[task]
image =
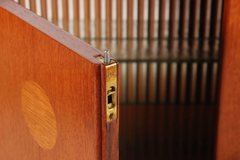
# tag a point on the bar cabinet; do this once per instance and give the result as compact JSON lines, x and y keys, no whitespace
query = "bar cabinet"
{"x":171,"y":90}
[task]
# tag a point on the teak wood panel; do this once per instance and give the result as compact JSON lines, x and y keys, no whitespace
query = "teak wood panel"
{"x":228,"y":137}
{"x":51,"y":92}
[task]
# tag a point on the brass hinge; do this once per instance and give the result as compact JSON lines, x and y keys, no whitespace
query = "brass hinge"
{"x":111,"y":86}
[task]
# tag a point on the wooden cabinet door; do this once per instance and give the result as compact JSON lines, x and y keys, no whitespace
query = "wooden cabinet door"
{"x":228,"y":135}
{"x":53,"y":92}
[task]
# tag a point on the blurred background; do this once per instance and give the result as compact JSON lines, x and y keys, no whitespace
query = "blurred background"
{"x":169,"y":60}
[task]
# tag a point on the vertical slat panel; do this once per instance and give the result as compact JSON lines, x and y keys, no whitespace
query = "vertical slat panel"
{"x":130,"y":84}
{"x":65,"y":15}
{"x":98,"y":22}
{"x":162,"y":89}
{"x":193,"y":23}
{"x":183,"y":21}
{"x":44,"y":8}
{"x":150,"y":73}
{"x":76,"y":17}
{"x":182,"y":96}
{"x":151,"y":89}
{"x":130,"y":19}
{"x":55,"y":11}
{"x":193,"y":82}
{"x":172,"y":80}
{"x":124,"y":82}
{"x":214,"y":81}
{"x":215,"y":23}
{"x":209,"y":82}
{"x":141,"y":81}
{"x":141,"y":96}
{"x":162,"y":70}
{"x":168,"y":83}
{"x":204,"y":23}
{"x":188,"y":82}
{"x":151,"y":18}
{"x":129,"y":36}
{"x":173,"y":25}
{"x":203,"y":83}
{"x":33,"y":5}
{"x":121,"y":86}
{"x":140,"y":20}
{"x":22,"y":2}
{"x":198,"y":83}
{"x":130,"y":91}
{"x":162,"y":19}
{"x":98,"y":18}
{"x":140,"y":93}
{"x":185,"y":137}
{"x":179,"y":79}
{"x":196,"y":110}
{"x":170,"y":109}
{"x":109,"y":22}
{"x":119,"y":23}
{"x":87,"y":20}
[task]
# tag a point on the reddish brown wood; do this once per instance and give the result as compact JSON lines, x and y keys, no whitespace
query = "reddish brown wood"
{"x":108,"y":22}
{"x":151,"y":19}
{"x":87,"y":20}
{"x":119,"y":22}
{"x":76,"y":18}
{"x":33,"y":5}
{"x":98,"y":23}
{"x":44,"y":8}
{"x":54,"y":12}
{"x":228,"y":138}
{"x":130,"y":19}
{"x":36,"y":51}
{"x":65,"y":15}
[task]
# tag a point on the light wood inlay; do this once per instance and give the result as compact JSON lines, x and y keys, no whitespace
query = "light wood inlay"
{"x":39,"y":115}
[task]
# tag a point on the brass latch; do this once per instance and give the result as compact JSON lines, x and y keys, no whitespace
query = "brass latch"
{"x":111,"y":86}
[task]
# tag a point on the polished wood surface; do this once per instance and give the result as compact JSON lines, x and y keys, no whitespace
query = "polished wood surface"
{"x":39,"y":115}
{"x":228,"y":138}
{"x":50,"y":95}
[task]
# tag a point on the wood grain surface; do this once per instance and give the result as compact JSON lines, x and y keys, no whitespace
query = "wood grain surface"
{"x":38,"y":58}
{"x":39,"y":114}
{"x":228,"y":139}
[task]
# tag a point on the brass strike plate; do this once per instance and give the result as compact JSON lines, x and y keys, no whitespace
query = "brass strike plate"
{"x":111,"y":89}
{"x":111,"y":92}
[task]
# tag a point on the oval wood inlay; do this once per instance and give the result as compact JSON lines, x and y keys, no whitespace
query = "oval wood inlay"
{"x":39,"y":115}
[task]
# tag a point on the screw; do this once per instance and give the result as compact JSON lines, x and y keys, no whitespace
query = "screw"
{"x":111,"y":116}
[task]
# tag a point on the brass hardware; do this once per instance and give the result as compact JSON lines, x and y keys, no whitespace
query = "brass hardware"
{"x":111,"y":91}
{"x":111,"y":86}
{"x":100,"y":58}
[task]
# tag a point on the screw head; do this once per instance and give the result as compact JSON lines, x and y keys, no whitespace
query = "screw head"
{"x":111,"y":116}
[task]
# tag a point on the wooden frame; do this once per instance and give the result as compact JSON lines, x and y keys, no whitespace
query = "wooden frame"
{"x":52,"y":93}
{"x":228,"y":141}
